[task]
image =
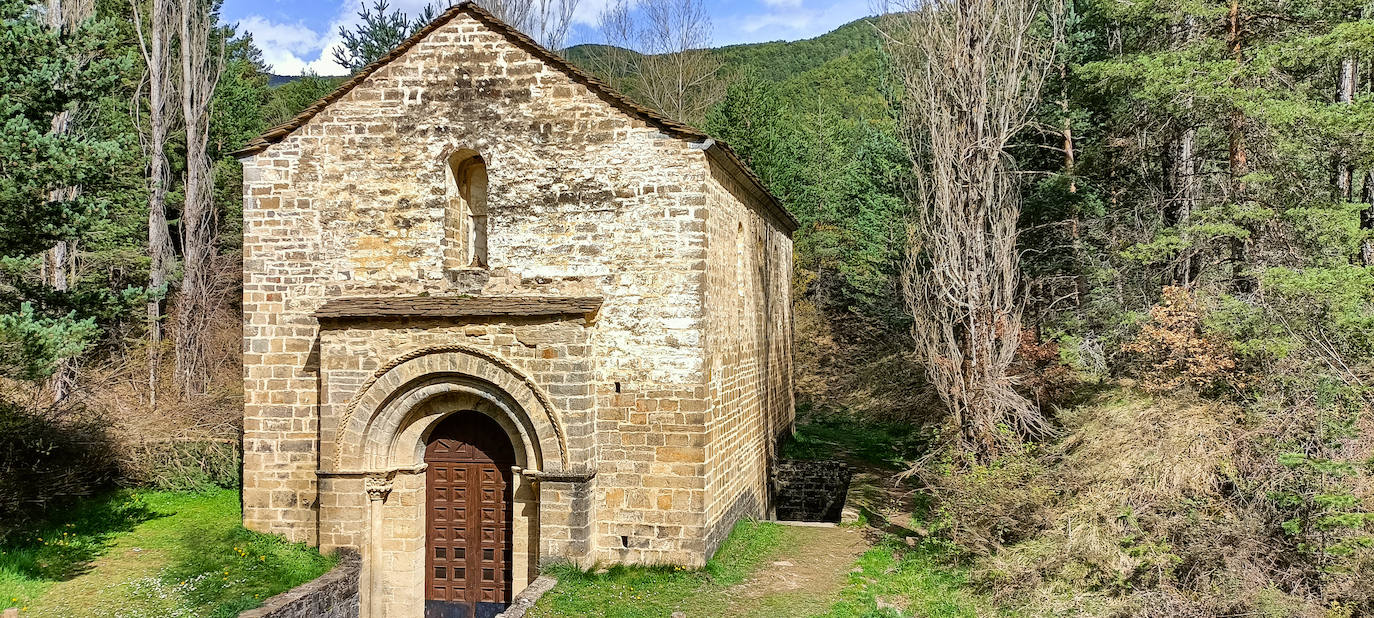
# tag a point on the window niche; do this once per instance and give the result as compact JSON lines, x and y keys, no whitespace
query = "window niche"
{"x":465,"y":218}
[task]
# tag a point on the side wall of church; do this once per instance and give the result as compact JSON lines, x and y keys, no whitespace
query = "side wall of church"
{"x":749,"y":353}
{"x":584,"y":200}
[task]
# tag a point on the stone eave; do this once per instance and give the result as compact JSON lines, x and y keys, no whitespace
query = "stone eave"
{"x":410,"y":307}
{"x":724,"y":155}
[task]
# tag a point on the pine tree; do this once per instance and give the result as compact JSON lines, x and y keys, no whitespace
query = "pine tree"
{"x":381,"y":30}
{"x":45,"y":71}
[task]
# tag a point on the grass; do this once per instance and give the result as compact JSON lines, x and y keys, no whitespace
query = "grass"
{"x":892,"y":579}
{"x":889,"y":579}
{"x":635,"y":592}
{"x":828,"y":434}
{"x":149,"y":553}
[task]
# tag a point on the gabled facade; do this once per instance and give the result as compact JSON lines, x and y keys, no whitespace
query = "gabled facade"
{"x":497,"y":315}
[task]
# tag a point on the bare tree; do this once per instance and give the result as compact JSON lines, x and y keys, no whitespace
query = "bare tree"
{"x":658,"y":54}
{"x":156,"y":46}
{"x":972,"y":72}
{"x":59,"y":262}
{"x":200,"y":71}
{"x":546,"y":21}
{"x":1347,"y":82}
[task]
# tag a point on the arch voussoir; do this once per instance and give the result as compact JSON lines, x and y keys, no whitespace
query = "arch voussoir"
{"x":379,"y":410}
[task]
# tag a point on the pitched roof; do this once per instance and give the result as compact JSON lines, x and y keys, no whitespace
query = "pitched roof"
{"x":719,"y":151}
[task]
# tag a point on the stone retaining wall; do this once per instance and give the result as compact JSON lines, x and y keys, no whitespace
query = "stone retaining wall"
{"x":332,"y":595}
{"x":810,"y":490}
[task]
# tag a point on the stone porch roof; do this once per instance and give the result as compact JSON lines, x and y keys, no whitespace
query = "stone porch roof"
{"x":719,"y":152}
{"x":363,"y":307}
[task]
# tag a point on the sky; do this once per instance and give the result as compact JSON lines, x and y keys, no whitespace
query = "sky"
{"x":297,"y":35}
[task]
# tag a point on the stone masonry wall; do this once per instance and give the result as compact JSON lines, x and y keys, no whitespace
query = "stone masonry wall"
{"x":749,"y":347}
{"x":811,"y":490}
{"x":583,"y":200}
{"x":332,"y":595}
{"x":554,"y":351}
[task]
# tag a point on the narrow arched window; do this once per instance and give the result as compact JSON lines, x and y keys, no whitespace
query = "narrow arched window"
{"x":739,"y":259}
{"x":465,"y":225}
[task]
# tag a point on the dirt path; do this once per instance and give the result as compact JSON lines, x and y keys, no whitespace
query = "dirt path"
{"x":804,"y":579}
{"x":807,"y":577}
{"x":884,"y":502}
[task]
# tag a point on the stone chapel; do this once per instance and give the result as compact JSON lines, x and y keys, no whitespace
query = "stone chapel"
{"x":498,"y":315}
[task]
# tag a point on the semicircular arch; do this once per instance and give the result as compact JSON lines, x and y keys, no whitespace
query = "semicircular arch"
{"x":376,"y":417}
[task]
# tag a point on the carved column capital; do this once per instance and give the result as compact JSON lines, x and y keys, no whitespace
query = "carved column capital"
{"x":377,"y":486}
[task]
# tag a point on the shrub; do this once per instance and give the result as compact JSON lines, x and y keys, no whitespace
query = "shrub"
{"x":1044,"y":377}
{"x":195,"y":464}
{"x":1175,"y":351}
{"x":981,"y":507}
{"x":48,"y":456}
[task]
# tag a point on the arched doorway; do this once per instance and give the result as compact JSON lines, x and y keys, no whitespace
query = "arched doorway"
{"x":468,"y":521}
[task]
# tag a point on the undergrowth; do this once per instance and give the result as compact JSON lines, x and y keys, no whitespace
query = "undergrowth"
{"x":827,"y":433}
{"x":149,"y":553}
{"x":634,"y":592}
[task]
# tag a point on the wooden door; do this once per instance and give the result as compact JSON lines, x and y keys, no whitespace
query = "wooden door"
{"x":468,"y":520}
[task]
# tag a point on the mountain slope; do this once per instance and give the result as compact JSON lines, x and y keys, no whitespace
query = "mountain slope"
{"x":774,"y":61}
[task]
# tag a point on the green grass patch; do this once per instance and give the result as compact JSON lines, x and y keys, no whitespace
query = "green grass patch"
{"x":31,"y":561}
{"x":635,"y":592}
{"x":830,"y":434}
{"x":897,"y":580}
{"x":151,"y":553}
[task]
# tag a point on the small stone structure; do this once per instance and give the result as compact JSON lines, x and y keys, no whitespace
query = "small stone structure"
{"x":810,"y":490}
{"x":332,"y":595}
{"x":470,"y":224}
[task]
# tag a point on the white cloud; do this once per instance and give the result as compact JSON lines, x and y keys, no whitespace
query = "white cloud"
{"x":791,"y":21}
{"x":588,"y":12}
{"x":287,"y":48}
{"x":283,"y":45}
{"x":291,"y":49}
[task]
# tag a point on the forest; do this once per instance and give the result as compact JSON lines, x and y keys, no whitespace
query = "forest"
{"x":1109,"y":265}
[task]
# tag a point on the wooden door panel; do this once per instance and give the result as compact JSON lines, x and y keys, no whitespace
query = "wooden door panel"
{"x":469,"y":507}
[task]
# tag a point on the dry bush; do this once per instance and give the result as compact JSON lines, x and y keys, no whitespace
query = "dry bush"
{"x":49,"y":455}
{"x":1041,"y":374}
{"x":1151,"y":510}
{"x":1138,"y":516}
{"x":182,"y":441}
{"x":1173,"y":350}
{"x":849,"y":365}
{"x":982,"y":507}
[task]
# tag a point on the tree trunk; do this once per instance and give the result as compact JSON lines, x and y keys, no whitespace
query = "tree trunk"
{"x":1345,"y":168}
{"x":1367,"y":220}
{"x":1181,"y":188}
{"x":156,"y":51}
{"x":59,"y":262}
{"x":1180,"y":158}
{"x":1241,"y":278}
{"x":200,"y":69}
{"x":1080,"y":280}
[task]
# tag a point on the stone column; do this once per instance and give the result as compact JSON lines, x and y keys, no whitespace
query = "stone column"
{"x":371,"y":599}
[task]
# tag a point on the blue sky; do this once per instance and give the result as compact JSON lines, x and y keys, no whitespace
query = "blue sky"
{"x":296,"y":35}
